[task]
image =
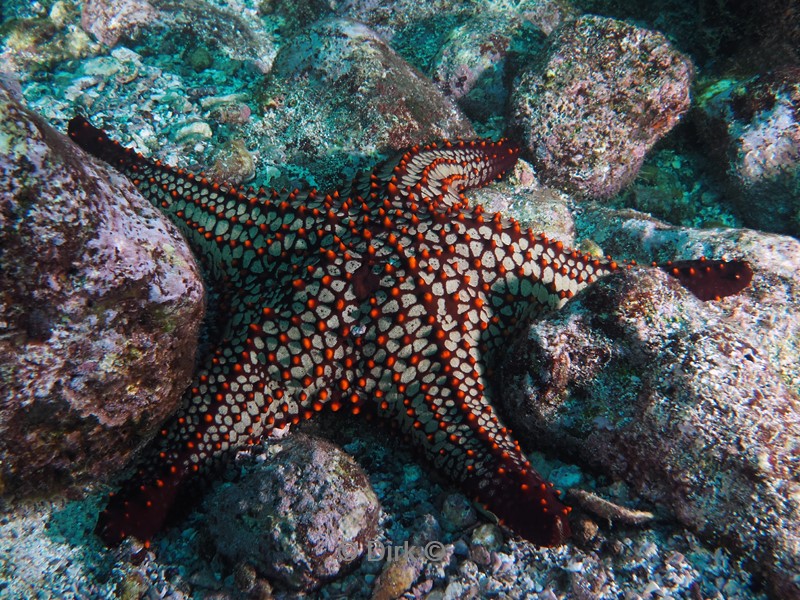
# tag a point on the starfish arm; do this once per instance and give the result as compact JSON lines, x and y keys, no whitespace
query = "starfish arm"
{"x":434,"y":388}
{"x":436,"y":175}
{"x":208,"y":423}
{"x":288,"y":355}
{"x":711,"y":279}
{"x":423,"y":371}
{"x":234,"y":231}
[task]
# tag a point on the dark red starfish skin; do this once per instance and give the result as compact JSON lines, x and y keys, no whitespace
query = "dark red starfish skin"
{"x":399,"y":295}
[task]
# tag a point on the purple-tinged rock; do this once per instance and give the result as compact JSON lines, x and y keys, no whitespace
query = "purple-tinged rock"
{"x":337,"y":95}
{"x":109,"y":20}
{"x":603,"y":94}
{"x":693,"y":403}
{"x":300,"y":516}
{"x":752,"y":130}
{"x":100,"y":304}
{"x":237,"y":34}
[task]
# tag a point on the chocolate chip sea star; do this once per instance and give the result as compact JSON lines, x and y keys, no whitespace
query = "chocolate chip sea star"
{"x":395,"y":298}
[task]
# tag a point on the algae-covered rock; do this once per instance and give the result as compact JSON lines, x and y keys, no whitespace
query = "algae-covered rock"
{"x":339,"y":86}
{"x":100,"y":304}
{"x":301,"y":517}
{"x":694,"y":404}
{"x":751,"y":128}
{"x":603,"y":93}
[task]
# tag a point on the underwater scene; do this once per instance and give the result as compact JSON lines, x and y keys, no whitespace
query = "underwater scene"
{"x":400,"y":299}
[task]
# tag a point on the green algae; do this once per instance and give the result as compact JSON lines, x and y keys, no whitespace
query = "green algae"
{"x":675,"y":185}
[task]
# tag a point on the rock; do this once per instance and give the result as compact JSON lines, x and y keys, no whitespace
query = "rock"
{"x":637,"y":236}
{"x":36,"y":44}
{"x":109,"y":20}
{"x":232,"y":113}
{"x":300,"y":517}
{"x":100,"y":304}
{"x":480,"y":556}
{"x":295,"y":15}
{"x":192,"y":132}
{"x":584,"y":532}
{"x":471,"y":66}
{"x":694,"y":404}
{"x":752,"y":129}
{"x":458,"y":512}
{"x":545,"y":15}
{"x":235,"y":34}
{"x":200,"y":58}
{"x":390,"y":20}
{"x":133,"y":587}
{"x":487,"y":536}
{"x":427,"y":529}
{"x":475,"y":62}
{"x":234,"y":164}
{"x":603,"y":94}
{"x":339,"y":85}
{"x":245,"y":577}
{"x":399,"y":575}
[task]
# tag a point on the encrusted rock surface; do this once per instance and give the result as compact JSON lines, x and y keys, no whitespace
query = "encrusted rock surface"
{"x":752,"y":129}
{"x":108,"y":20}
{"x":338,"y":85}
{"x":390,"y":18}
{"x":36,"y":44}
{"x":475,"y":62}
{"x":300,"y":514}
{"x":470,"y":64}
{"x":238,"y":34}
{"x":602,"y":95}
{"x":100,"y":303}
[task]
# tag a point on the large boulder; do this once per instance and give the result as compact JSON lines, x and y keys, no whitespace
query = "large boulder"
{"x":338,"y":95}
{"x":300,"y":515}
{"x":593,"y":106}
{"x":693,"y":404}
{"x":751,"y":128}
{"x":100,"y":304}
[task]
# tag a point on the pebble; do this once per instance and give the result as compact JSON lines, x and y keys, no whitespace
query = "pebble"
{"x":192,"y":131}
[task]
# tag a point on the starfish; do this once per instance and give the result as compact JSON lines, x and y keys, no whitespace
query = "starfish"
{"x":394,"y":298}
